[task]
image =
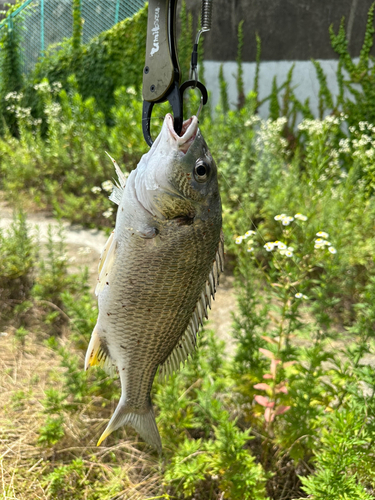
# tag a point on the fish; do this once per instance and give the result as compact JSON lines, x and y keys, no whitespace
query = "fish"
{"x":158,"y":271}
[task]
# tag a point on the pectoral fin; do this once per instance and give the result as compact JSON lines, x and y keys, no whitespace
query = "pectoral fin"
{"x":97,"y":354}
{"x":105,"y":263}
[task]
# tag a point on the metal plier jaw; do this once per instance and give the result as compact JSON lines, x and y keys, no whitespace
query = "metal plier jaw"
{"x":162,"y":74}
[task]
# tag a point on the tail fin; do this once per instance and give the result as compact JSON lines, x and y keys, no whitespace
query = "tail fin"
{"x":143,"y":423}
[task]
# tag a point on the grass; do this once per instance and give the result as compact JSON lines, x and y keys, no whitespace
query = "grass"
{"x":29,"y":470}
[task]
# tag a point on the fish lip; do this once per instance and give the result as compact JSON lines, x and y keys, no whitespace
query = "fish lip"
{"x":188,"y":132}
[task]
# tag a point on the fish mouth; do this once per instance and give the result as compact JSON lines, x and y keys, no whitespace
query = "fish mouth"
{"x":188,"y":132}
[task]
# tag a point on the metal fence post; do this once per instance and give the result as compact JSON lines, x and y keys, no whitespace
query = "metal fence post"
{"x":42,"y":28}
{"x":117,"y":11}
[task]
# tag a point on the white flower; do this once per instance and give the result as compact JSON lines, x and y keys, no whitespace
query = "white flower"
{"x":269,"y":246}
{"x":305,"y":297}
{"x":108,"y":213}
{"x":96,"y":189}
{"x":288,"y":253}
{"x":332,"y":250}
{"x":14,"y":95}
{"x":279,"y":217}
{"x":281,"y":245}
{"x":298,"y":295}
{"x":300,"y":217}
{"x":249,"y":233}
{"x":107,"y":186}
{"x":322,"y":234}
{"x":43,"y":87}
{"x":239,"y":240}
{"x":285,"y":222}
{"x":250,"y":249}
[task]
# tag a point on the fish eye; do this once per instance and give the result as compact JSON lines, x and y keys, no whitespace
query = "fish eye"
{"x":201,"y":171}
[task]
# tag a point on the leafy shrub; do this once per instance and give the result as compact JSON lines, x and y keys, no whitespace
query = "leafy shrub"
{"x":17,"y":260}
{"x":109,"y":61}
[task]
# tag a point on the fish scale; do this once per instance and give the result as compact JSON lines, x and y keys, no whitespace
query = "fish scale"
{"x":156,"y":269}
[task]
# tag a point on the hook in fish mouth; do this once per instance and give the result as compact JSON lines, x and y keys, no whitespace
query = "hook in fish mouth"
{"x":188,"y":132}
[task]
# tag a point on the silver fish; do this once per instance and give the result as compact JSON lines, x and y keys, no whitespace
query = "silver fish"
{"x":158,"y":271}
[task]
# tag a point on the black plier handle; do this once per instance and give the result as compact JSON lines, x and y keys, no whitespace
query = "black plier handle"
{"x":162,"y":74}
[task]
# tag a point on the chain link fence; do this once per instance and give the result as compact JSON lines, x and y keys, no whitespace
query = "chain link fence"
{"x":46,"y":23}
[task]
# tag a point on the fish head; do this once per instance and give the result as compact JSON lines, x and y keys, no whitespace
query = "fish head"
{"x":177,"y":178}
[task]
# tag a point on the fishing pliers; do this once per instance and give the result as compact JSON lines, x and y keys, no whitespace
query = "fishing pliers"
{"x":161,"y":73}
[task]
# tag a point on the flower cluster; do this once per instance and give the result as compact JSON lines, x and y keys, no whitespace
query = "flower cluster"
{"x":319,"y":127}
{"x":321,"y":242}
{"x":287,"y":219}
{"x":14,"y":96}
{"x":300,"y":296}
{"x":45,"y":88}
{"x":53,"y":109}
{"x":269,"y":138}
{"x":279,"y":245}
{"x":96,"y":189}
{"x":240,"y":239}
{"x":108,"y":213}
{"x":107,"y":186}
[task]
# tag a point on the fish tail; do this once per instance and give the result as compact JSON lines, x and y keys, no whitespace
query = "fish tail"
{"x":144,"y":423}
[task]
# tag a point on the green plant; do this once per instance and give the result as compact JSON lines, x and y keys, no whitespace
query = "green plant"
{"x":344,"y":464}
{"x":16,"y":265}
{"x":52,"y":431}
{"x":10,"y":67}
{"x":108,"y":61}
{"x":77,"y":25}
{"x":239,"y":80}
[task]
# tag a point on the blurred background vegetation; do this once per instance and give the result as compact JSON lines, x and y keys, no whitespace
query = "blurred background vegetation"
{"x":291,"y":413}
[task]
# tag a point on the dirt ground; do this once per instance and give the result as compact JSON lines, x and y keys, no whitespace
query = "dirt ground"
{"x":84,"y":247}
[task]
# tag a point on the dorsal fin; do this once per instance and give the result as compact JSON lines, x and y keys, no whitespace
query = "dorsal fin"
{"x":187,"y":342}
{"x":119,"y":186}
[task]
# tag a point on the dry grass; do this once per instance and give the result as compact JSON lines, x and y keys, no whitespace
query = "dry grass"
{"x":27,"y":468}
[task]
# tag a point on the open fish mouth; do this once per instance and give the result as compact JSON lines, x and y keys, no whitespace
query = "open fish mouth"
{"x":188,"y":132}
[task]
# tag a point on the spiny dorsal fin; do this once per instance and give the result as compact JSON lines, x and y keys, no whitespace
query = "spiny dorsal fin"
{"x":97,"y":356}
{"x":186,"y":344}
{"x":119,"y":186}
{"x":105,"y":263}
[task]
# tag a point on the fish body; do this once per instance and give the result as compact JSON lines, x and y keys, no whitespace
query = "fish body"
{"x":158,"y":271}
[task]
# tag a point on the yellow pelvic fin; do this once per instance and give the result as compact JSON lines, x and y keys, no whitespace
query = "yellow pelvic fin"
{"x":93,"y":349}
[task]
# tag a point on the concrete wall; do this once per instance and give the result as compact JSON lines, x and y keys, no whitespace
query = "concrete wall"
{"x":291,"y":31}
{"x":304,"y":80}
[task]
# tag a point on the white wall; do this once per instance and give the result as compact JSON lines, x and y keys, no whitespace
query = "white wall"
{"x":304,"y":79}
